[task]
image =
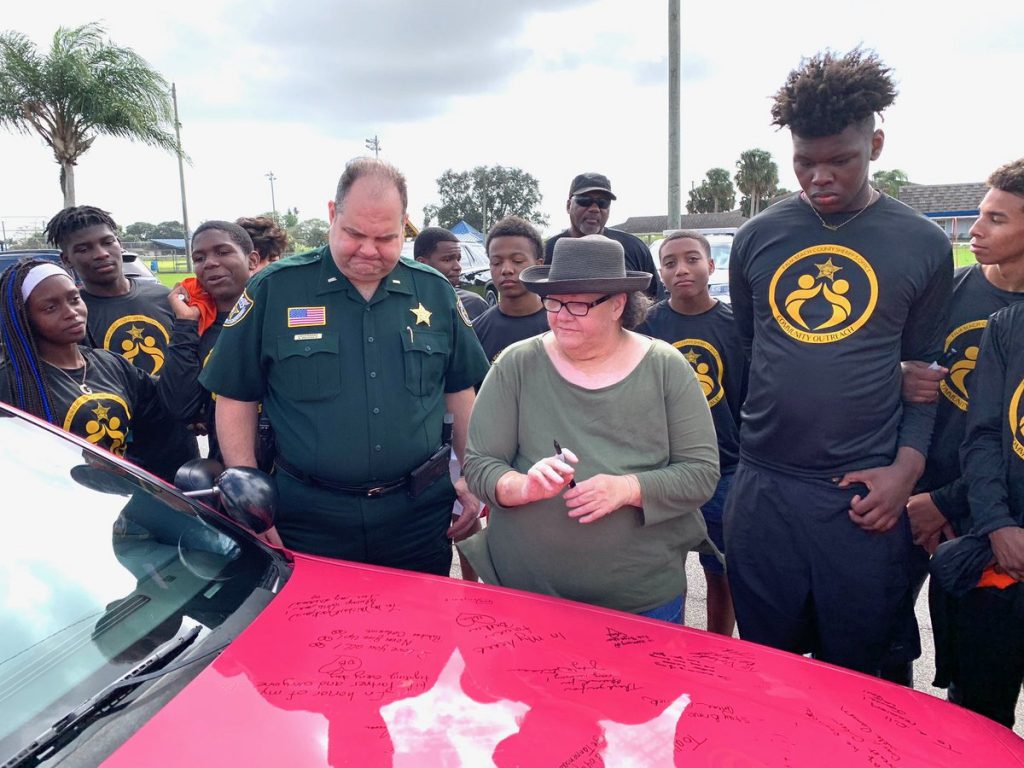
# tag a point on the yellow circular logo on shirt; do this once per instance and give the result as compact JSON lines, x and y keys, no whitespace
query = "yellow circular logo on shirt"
{"x":823,"y":294}
{"x":139,"y":339}
{"x":967,"y":341}
{"x":102,"y":418}
{"x":1017,"y":422}
{"x":707,"y":364}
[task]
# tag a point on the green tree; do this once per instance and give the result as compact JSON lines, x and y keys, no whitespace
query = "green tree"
{"x":311,"y":233}
{"x":484,"y":195}
{"x":890,"y":181}
{"x":34,"y":239}
{"x":83,"y":87}
{"x":140,"y":230}
{"x":757,"y":178}
{"x":714,"y":195}
{"x":167,"y":230}
{"x":289,"y":219}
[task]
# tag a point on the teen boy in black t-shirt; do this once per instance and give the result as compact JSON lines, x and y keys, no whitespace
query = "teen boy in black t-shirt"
{"x":703,"y":330}
{"x":831,"y":289}
{"x":989,"y":648}
{"x":512,"y":246}
{"x":131,"y":319}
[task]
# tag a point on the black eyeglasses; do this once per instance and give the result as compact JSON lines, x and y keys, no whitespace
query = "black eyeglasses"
{"x":576,"y":308}
{"x":585,"y":202}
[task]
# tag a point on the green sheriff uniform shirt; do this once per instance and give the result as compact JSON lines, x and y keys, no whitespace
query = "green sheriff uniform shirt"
{"x":353,"y":389}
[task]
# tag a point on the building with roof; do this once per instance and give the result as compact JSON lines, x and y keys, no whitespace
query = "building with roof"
{"x":652,"y":227}
{"x":954,"y":207}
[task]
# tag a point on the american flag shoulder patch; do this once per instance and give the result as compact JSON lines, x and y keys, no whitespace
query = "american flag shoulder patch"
{"x":301,"y":317}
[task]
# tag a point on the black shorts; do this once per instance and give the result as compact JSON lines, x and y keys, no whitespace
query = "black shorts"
{"x":804,"y":578}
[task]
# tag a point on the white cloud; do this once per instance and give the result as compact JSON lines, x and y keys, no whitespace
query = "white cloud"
{"x":296,"y":90}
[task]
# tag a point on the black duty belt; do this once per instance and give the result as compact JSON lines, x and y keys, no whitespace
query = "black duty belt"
{"x":416,"y":482}
{"x":369,"y":491}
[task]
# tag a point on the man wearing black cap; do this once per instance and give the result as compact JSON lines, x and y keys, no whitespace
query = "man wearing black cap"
{"x":589,"y":203}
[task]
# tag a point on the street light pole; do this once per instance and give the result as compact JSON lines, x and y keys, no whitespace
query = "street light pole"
{"x":674,"y":195}
{"x":374,"y":144}
{"x":181,"y":179}
{"x":273,"y":201}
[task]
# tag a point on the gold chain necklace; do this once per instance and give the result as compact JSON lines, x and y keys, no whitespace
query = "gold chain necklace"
{"x":84,"y":388}
{"x":834,"y":227}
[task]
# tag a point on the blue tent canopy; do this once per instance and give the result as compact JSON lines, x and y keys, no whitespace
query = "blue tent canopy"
{"x":465,"y":232}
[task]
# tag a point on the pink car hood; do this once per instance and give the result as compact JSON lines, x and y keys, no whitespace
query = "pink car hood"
{"x":355,"y":665}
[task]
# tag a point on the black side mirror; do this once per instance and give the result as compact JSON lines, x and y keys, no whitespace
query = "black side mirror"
{"x":248,"y":496}
{"x":197,"y":475}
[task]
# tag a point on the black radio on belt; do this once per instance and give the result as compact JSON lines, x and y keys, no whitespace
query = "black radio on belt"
{"x":434,"y":468}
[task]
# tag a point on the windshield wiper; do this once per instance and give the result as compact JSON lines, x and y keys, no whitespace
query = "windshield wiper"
{"x":68,"y":727}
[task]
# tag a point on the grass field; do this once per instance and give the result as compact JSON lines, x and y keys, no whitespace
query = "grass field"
{"x":962,"y":255}
{"x":170,"y":278}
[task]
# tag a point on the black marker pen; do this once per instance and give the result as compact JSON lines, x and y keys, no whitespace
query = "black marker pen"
{"x":561,"y":457}
{"x":949,"y":356}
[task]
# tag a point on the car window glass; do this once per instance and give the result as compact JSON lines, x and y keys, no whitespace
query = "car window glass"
{"x":100,"y":568}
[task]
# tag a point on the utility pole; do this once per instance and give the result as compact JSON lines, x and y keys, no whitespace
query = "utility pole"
{"x":374,"y":144}
{"x":674,"y":196}
{"x":181,"y":179}
{"x":273,"y":201}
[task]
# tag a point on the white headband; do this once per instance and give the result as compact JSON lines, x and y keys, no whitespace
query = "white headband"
{"x":37,"y":274}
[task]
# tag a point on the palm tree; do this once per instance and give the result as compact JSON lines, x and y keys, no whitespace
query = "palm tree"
{"x":720,"y":189}
{"x":84,"y":86}
{"x":890,"y":181}
{"x":757,"y":177}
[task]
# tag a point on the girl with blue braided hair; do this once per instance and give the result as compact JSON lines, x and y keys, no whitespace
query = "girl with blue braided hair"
{"x":47,"y":372}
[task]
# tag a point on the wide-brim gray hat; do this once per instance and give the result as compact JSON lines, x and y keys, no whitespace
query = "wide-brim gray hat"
{"x":589,"y":264}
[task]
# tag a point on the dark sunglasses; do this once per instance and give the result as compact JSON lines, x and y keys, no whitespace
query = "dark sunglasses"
{"x":585,"y":202}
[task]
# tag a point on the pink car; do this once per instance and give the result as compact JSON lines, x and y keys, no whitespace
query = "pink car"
{"x":140,"y":628}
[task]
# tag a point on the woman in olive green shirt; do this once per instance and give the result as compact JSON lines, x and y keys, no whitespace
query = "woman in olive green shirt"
{"x":612,"y":526}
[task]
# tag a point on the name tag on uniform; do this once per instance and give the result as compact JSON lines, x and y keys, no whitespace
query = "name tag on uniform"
{"x":308,"y":336}
{"x":299,"y":317}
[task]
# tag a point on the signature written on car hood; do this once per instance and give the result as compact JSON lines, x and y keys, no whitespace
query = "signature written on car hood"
{"x":356,"y":665}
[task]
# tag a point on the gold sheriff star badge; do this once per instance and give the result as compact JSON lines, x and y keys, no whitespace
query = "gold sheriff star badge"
{"x":828,"y":269}
{"x":422,"y":315}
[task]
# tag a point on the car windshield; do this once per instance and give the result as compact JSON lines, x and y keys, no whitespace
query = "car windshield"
{"x":474,"y":257}
{"x":720,"y":255}
{"x":100,"y":568}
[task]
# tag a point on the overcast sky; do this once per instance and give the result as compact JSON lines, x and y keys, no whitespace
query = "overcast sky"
{"x":555,"y":87}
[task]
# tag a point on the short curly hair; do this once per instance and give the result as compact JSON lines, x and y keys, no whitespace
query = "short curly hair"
{"x":1009,"y":178}
{"x":829,"y":92}
{"x":269,"y":239}
{"x":516,"y":226}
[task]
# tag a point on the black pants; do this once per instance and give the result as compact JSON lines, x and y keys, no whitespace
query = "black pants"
{"x":392,"y":530}
{"x":988,"y":667}
{"x":804,"y":578}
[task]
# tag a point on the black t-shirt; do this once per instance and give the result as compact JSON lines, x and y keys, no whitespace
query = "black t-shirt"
{"x":475,"y":304}
{"x":827,"y":317}
{"x":974,"y":300}
{"x":122,"y":398}
{"x":993,"y":451}
{"x":637,"y":255}
{"x":712,"y":346}
{"x":138,"y":326}
{"x":496,"y":330}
